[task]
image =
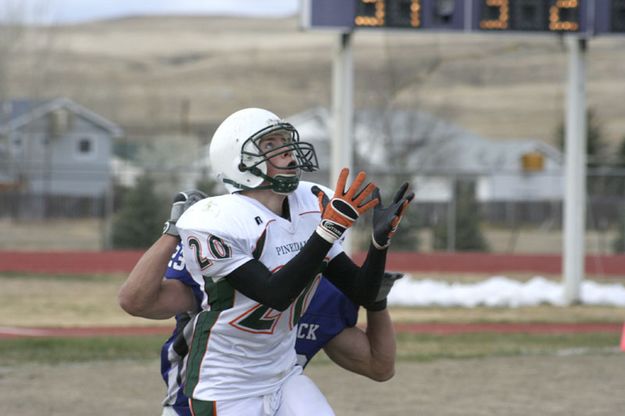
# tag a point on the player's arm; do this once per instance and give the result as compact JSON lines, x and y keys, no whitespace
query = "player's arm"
{"x":145,"y":293}
{"x":279,"y":289}
{"x":371,"y":352}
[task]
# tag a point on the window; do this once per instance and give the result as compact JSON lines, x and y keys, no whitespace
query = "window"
{"x":15,"y":144}
{"x":85,"y":147}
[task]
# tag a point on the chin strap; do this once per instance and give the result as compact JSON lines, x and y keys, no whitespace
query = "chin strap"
{"x":280,"y":184}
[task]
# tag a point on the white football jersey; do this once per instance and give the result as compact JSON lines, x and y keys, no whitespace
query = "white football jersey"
{"x":241,"y":348}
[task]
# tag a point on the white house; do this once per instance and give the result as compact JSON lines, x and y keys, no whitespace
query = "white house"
{"x":55,"y":147}
{"x":435,"y":153}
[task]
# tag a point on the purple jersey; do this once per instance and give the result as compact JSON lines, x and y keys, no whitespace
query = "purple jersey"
{"x":327,"y":315}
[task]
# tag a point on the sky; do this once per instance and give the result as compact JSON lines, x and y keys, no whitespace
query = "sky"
{"x":76,"y":11}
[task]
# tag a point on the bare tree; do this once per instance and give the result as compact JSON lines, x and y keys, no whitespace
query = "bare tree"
{"x":400,"y":141}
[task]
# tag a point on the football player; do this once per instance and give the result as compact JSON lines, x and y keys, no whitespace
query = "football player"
{"x":328,"y":323}
{"x":256,"y":256}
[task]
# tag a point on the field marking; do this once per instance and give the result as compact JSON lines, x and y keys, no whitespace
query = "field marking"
{"x":77,"y":332}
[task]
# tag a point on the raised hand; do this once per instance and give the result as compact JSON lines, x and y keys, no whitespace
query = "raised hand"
{"x":386,"y":219}
{"x":182,"y":201}
{"x":340,"y":212}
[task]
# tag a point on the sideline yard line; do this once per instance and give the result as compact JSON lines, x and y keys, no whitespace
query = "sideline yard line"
{"x":21,"y":332}
{"x":414,"y":328}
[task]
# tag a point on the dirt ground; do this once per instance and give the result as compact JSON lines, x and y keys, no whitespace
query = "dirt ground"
{"x":532,"y":385}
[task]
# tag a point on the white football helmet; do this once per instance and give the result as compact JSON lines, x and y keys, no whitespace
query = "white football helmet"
{"x":236,"y":158}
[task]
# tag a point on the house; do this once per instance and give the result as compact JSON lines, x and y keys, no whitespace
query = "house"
{"x":436,"y":153}
{"x":55,"y":148}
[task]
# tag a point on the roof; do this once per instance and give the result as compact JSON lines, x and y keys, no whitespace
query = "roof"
{"x":17,"y":113}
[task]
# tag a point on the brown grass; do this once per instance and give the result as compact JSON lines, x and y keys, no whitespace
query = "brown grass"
{"x":88,"y":301}
{"x":51,"y":235}
{"x":63,"y":301}
{"x":139,"y":72}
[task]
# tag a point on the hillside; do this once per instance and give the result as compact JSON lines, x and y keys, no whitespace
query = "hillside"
{"x":168,"y":74}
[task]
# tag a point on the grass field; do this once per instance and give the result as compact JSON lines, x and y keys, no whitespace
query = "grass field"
{"x":84,"y":301}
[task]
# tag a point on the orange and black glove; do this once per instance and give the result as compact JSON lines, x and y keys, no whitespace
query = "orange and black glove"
{"x":386,"y":219}
{"x":340,"y":212}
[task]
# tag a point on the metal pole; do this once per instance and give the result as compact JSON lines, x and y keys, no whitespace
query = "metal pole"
{"x":575,"y":172}
{"x":342,"y":113}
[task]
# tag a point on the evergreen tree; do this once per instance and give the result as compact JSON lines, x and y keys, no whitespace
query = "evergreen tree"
{"x":617,"y":179}
{"x":140,"y":220}
{"x":597,"y":153}
{"x":618,"y":245}
{"x":468,"y":236}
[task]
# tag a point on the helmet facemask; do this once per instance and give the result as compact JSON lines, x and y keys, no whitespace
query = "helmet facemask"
{"x":255,"y":160}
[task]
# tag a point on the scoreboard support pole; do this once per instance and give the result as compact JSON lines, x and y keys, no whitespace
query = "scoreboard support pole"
{"x":342,"y":113}
{"x":575,"y":172}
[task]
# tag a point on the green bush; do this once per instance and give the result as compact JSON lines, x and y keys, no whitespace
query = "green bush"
{"x":140,"y":220}
{"x":618,"y":245}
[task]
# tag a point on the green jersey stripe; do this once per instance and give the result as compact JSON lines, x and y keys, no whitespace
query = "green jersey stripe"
{"x":199,"y":343}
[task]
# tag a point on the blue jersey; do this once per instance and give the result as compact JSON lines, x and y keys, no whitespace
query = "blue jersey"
{"x":327,"y":315}
{"x":329,"y":312}
{"x":175,"y":349}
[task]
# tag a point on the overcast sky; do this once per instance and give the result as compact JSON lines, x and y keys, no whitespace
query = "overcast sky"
{"x":73,"y":11}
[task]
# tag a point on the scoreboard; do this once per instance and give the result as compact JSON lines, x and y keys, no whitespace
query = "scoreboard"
{"x":586,"y":17}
